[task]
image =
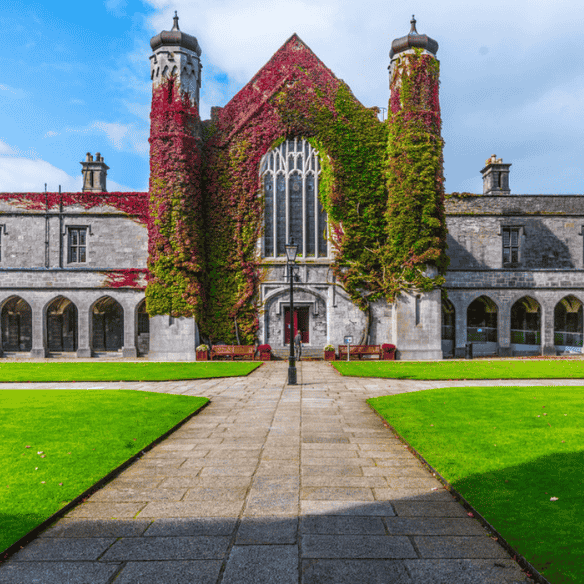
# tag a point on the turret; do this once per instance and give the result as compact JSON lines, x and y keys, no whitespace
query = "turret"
{"x":407,"y":44}
{"x":94,"y":174}
{"x":177,"y":53}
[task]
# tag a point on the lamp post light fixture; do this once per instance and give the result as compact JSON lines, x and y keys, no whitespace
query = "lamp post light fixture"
{"x":291,"y":250}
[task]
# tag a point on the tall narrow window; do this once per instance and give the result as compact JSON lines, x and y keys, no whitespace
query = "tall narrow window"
{"x":510,"y":245}
{"x":77,"y":245}
{"x":290,"y":175}
{"x":1,"y":227}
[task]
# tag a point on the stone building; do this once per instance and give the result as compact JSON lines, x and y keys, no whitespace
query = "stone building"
{"x":73,"y":266}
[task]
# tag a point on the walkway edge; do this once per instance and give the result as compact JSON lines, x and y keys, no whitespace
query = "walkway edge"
{"x":525,"y":565}
{"x":32,"y":534}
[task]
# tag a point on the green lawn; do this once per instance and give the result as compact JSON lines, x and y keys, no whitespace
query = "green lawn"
{"x":480,"y":369}
{"x":94,"y":371}
{"x":56,"y":444}
{"x":508,"y":451}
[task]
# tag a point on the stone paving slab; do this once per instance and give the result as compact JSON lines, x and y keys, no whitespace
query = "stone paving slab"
{"x":153,"y":572}
{"x":271,"y":483}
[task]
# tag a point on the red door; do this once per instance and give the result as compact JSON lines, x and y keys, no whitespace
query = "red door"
{"x":300,"y":321}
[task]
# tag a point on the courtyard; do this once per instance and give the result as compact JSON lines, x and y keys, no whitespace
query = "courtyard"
{"x":272,"y":482}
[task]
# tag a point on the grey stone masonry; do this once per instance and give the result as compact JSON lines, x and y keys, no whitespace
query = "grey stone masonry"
{"x":271,"y":483}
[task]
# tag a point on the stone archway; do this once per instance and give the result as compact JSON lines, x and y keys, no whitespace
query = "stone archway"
{"x":568,"y":329}
{"x":142,"y":329}
{"x":16,"y":318}
{"x":448,"y":327}
{"x":61,"y":325}
{"x":481,"y":325}
{"x":108,"y":325}
{"x":526,"y":325}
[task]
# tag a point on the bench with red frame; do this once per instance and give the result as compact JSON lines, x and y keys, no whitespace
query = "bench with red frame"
{"x":243,"y":351}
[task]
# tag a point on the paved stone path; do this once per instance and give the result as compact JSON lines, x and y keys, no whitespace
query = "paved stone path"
{"x":271,"y":483}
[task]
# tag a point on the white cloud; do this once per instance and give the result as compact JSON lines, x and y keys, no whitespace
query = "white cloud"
{"x":5,"y":150}
{"x":126,"y":137}
{"x":50,"y":134}
{"x":27,"y":172}
{"x":12,"y":91}
{"x":26,"y":175}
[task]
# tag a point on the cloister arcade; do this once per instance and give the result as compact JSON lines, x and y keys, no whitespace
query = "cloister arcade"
{"x":73,"y":323}
{"x":507,"y":323}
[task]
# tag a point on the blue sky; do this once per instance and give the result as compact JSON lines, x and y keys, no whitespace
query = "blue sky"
{"x":75,"y":78}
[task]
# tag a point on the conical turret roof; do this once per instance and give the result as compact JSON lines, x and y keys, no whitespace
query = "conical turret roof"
{"x":413,"y":40}
{"x":175,"y":37}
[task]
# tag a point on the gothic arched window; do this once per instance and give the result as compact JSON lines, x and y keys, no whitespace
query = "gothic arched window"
{"x":289,"y":176}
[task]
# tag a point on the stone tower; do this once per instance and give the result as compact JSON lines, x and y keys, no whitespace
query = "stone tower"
{"x":416,"y":227}
{"x":176,"y":257}
{"x":178,"y":54}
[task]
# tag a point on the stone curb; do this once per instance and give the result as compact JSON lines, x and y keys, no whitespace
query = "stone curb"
{"x":33,"y":533}
{"x":525,"y":565}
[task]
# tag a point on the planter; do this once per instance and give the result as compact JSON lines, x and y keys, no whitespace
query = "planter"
{"x":265,"y":356}
{"x":388,"y":352}
{"x":329,"y":355}
{"x":202,"y":355}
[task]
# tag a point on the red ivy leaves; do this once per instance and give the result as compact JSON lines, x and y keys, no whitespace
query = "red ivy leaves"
{"x":176,"y":256}
{"x":134,"y":204}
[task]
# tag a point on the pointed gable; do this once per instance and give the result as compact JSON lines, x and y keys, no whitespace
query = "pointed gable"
{"x":293,"y":61}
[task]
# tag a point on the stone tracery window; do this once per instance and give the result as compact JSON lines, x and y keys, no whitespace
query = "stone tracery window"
{"x":290,"y":175}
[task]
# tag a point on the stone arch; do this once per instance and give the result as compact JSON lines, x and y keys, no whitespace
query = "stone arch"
{"x":142,"y":328}
{"x":448,"y":327}
{"x":62,"y":325}
{"x":526,"y":324}
{"x":568,"y":323}
{"x":311,"y":313}
{"x":16,"y":324}
{"x":108,"y":324}
{"x":481,"y":320}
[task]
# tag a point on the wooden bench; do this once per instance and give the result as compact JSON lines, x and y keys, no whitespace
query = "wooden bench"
{"x":359,"y":351}
{"x":244,"y":351}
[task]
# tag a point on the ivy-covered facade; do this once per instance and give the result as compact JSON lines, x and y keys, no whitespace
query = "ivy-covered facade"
{"x":294,"y":156}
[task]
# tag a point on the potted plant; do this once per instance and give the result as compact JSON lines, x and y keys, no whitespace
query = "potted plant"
{"x":388,"y":352}
{"x":265,"y":352}
{"x":329,"y":353}
{"x":202,"y":353}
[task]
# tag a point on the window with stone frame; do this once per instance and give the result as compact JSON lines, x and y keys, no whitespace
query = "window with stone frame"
{"x":1,"y":228}
{"x":511,"y":246}
{"x":76,"y":245}
{"x":290,"y":174}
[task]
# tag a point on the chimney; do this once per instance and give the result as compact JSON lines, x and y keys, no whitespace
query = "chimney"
{"x":94,"y":174}
{"x":495,"y":177}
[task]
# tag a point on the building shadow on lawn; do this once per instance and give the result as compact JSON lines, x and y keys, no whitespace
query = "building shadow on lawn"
{"x":519,"y":502}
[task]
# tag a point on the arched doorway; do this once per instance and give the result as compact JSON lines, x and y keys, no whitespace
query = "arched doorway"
{"x":568,"y":323}
{"x":62,"y":325}
{"x":143,"y":332}
{"x":108,"y":325}
{"x":448,"y":328}
{"x":16,"y":325}
{"x":481,"y":325}
{"x":526,"y":325}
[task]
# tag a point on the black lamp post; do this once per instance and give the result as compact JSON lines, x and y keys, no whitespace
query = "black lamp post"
{"x":291,"y":250}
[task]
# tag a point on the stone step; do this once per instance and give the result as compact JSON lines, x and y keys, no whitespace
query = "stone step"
{"x":308,"y":353}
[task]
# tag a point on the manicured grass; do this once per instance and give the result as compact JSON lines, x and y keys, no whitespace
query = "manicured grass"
{"x":152,"y":371}
{"x":508,"y":451}
{"x":480,"y":369}
{"x":74,"y":438}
